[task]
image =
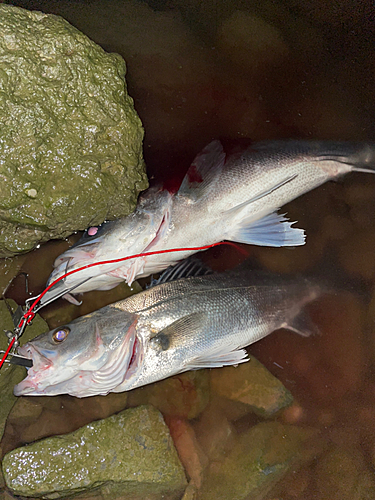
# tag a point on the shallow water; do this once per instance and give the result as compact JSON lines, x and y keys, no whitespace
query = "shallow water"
{"x":196,"y":72}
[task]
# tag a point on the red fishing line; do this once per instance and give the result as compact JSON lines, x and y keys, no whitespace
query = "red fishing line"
{"x":29,"y":315}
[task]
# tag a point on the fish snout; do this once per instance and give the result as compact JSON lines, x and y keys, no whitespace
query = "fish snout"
{"x":30,"y":385}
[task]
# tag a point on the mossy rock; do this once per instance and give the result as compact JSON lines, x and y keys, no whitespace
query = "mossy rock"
{"x":129,"y":453}
{"x":70,"y":139}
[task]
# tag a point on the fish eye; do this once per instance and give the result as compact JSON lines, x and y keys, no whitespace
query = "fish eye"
{"x":60,"y":334}
{"x":94,"y":231}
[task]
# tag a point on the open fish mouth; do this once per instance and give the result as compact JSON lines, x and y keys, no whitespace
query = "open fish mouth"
{"x":40,"y":365}
{"x":48,"y":378}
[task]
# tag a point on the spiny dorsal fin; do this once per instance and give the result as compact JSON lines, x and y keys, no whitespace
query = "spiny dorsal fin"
{"x":190,"y":267}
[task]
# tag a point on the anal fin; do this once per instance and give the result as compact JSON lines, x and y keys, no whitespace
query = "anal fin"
{"x":273,"y":230}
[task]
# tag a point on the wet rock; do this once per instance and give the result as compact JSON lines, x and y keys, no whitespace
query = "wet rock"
{"x":251,"y":383}
{"x":70,"y":415}
{"x":214,"y":432}
{"x":183,"y":396}
{"x":5,"y":495}
{"x":25,"y":411}
{"x":263,"y":455}
{"x":342,"y":475}
{"x":130,"y":453}
{"x":191,"y":492}
{"x":8,"y":270}
{"x":296,"y":484}
{"x":191,"y":454}
{"x":10,"y":375}
{"x":71,"y":144}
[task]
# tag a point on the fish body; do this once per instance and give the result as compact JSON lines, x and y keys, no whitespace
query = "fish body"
{"x":224,"y":196}
{"x":198,"y":322}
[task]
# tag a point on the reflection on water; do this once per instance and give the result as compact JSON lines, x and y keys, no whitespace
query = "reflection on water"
{"x":202,"y":70}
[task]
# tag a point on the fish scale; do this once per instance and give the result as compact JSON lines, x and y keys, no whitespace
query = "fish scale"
{"x":187,"y":324}
{"x":224,"y":196}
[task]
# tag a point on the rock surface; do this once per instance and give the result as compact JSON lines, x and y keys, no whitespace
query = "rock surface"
{"x":342,"y":474}
{"x":10,"y":375}
{"x":129,"y":453}
{"x":185,"y":395}
{"x":251,"y":383}
{"x":71,"y":141}
{"x":261,"y":457}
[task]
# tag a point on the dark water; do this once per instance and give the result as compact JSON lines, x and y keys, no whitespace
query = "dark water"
{"x":241,"y":69}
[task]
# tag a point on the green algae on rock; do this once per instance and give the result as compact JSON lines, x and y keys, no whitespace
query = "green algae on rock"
{"x":71,"y":141}
{"x":129,"y":453}
{"x":251,"y":383}
{"x":10,"y":375}
{"x":261,"y":458}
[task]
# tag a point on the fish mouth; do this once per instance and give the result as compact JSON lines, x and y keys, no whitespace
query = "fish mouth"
{"x":47,"y":378}
{"x":41,"y":364}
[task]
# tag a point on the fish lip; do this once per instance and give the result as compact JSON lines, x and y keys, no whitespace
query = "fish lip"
{"x":40,"y":364}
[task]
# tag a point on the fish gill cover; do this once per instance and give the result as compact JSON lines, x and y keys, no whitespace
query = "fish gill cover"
{"x":70,"y":139}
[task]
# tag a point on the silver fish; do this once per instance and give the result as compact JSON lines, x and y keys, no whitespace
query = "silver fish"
{"x":224,"y":196}
{"x":188,"y":324}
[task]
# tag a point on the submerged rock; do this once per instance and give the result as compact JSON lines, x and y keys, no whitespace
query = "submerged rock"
{"x":129,"y":453}
{"x":261,"y":458}
{"x":185,"y":395}
{"x":71,"y":141}
{"x":251,"y":383}
{"x":342,"y":474}
{"x":191,"y":454}
{"x":10,"y":375}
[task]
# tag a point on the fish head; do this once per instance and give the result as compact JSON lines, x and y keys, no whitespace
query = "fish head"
{"x":86,"y":357}
{"x":114,"y":240}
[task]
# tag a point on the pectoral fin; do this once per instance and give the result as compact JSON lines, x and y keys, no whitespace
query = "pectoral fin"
{"x":183,"y":331}
{"x":180,"y":332}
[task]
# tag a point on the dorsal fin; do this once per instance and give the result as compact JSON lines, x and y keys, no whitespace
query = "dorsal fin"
{"x":204,"y":172}
{"x":190,"y":267}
